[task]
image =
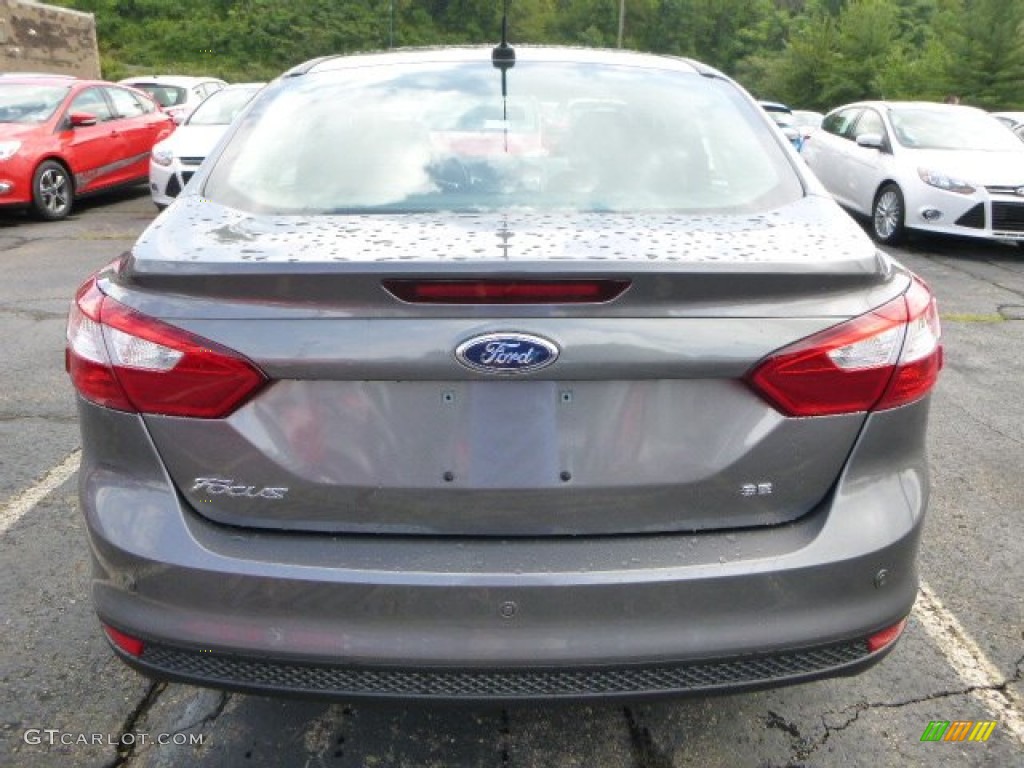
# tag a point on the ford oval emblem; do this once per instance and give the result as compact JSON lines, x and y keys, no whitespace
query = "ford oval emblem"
{"x":506,"y":353}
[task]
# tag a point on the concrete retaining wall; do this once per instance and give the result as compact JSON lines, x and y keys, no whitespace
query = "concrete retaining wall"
{"x":44,"y":38}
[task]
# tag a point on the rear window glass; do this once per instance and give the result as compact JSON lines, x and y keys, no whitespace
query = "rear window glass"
{"x":441,"y":137}
{"x":164,"y":95}
{"x":222,"y":107}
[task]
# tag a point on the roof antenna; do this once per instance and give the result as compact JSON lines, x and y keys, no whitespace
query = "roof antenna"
{"x":503,"y":56}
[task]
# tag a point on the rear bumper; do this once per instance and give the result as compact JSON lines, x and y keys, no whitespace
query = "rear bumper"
{"x":295,"y":678}
{"x":513,"y":618}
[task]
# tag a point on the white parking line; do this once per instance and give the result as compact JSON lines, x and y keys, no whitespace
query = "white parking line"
{"x":969,"y":662}
{"x":17,"y":507}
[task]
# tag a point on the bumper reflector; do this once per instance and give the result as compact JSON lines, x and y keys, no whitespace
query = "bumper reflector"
{"x":886,"y":637}
{"x":130,"y":645}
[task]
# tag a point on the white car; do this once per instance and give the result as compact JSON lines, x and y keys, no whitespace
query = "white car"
{"x":1013,"y":120}
{"x":921,"y":166}
{"x":178,"y":95}
{"x":807,"y":121}
{"x":173,"y":161}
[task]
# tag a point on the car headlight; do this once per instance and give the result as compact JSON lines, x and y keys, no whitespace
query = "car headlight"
{"x":942,"y":181}
{"x":162,"y":155}
{"x":8,"y":148}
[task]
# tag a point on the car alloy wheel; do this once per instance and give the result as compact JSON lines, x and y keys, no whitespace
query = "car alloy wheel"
{"x":887,"y":216}
{"x":51,"y":191}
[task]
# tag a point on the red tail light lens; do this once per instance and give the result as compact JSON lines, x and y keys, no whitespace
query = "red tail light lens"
{"x":506,"y":291}
{"x":883,"y":359}
{"x":124,"y":360}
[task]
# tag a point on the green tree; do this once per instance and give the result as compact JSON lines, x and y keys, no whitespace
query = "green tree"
{"x":800,"y":73}
{"x":986,"y":62}
{"x":717,"y":32}
{"x":813,"y":53}
{"x":921,"y":68}
{"x":866,"y":42}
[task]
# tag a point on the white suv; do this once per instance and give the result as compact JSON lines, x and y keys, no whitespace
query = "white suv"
{"x":177,"y":95}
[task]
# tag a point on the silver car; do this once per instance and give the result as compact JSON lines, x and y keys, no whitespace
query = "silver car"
{"x":612,"y":400}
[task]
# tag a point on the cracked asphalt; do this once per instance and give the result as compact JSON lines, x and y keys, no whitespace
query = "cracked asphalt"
{"x":57,"y":674}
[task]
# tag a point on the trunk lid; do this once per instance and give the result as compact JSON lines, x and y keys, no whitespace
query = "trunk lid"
{"x":371,"y":425}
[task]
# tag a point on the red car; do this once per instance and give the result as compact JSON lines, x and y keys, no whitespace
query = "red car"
{"x":62,"y":138}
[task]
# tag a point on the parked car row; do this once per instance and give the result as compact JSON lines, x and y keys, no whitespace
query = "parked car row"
{"x":63,"y":138}
{"x":908,"y":166}
{"x":796,"y":125}
{"x":784,"y":118}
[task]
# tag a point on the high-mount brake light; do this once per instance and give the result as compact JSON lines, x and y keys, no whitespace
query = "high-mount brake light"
{"x":122,"y":359}
{"x":506,"y":291}
{"x":883,"y":359}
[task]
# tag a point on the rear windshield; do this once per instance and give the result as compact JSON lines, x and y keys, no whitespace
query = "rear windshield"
{"x":165,"y":95}
{"x":442,"y":137}
{"x":27,"y":103}
{"x":222,"y":107}
{"x":783,"y":119}
{"x":930,"y":128}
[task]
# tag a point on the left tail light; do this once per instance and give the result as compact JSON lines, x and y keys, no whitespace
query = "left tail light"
{"x":122,"y":359}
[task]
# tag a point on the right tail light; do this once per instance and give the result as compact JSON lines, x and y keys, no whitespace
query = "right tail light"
{"x":883,"y":359}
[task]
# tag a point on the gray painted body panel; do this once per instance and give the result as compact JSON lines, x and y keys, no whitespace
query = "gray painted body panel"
{"x":594,"y":348}
{"x":198,"y":235}
{"x":506,"y":458}
{"x":165,"y":574}
{"x":337,"y":291}
{"x":372,"y":426}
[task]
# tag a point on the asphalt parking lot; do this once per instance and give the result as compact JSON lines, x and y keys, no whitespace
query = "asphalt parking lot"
{"x":65,"y":699}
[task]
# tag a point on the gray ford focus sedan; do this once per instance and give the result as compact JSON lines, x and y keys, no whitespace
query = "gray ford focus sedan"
{"x":508,"y":374}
